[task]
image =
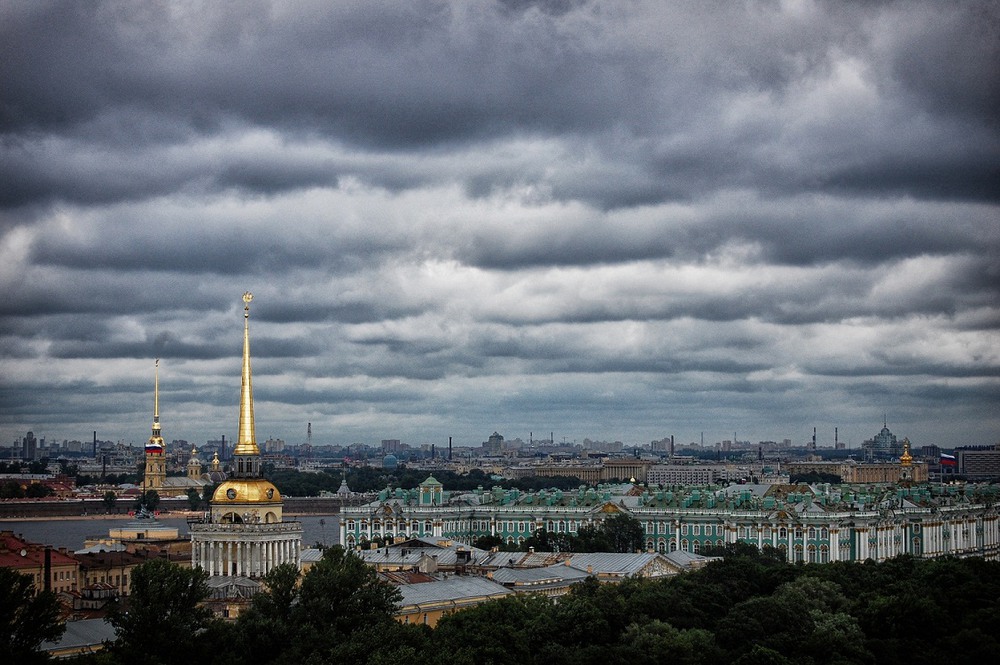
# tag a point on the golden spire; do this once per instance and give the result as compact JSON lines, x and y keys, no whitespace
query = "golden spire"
{"x":246,"y":443}
{"x":156,"y":439}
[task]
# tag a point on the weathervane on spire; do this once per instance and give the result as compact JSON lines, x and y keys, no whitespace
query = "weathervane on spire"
{"x":247,"y":297}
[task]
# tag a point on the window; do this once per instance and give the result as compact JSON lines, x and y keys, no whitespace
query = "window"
{"x":696,"y":529}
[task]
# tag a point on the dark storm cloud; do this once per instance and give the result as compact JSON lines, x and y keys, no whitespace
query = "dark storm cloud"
{"x":436,"y":73}
{"x":609,"y":219}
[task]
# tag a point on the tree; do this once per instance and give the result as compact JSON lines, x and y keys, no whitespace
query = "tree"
{"x":110,"y":499}
{"x":11,"y":489}
{"x":624,"y":533}
{"x":150,"y":499}
{"x":37,"y":491}
{"x":208,"y":492}
{"x":26,"y":619}
{"x":163,"y":620}
{"x":193,"y":499}
{"x":338,"y":597}
{"x":264,"y":629}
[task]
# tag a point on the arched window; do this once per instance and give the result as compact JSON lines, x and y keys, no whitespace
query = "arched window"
{"x":812,"y":554}
{"x":783,"y":533}
{"x":684,"y":545}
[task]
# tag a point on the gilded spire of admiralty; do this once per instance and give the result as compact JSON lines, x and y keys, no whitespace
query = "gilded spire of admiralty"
{"x":246,"y":442}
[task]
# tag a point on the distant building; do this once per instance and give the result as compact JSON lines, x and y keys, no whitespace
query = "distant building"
{"x":494,"y":445}
{"x":882,"y":446}
{"x":852,"y":471}
{"x":979,"y":462}
{"x":29,"y":447}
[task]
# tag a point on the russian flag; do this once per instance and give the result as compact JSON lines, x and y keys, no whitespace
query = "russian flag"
{"x":948,"y":460}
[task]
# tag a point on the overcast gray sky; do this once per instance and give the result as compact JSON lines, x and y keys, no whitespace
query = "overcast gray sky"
{"x":614,"y":220}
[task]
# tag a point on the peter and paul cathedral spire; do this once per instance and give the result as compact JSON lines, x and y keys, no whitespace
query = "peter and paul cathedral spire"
{"x":155,"y":471}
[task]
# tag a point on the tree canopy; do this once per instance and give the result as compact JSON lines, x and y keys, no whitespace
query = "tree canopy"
{"x":26,"y":619}
{"x":750,"y":607}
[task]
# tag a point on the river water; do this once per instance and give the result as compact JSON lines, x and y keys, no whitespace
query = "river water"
{"x":70,"y":533}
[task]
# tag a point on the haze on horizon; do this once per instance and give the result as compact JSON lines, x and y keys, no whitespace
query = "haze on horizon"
{"x":618,"y":221}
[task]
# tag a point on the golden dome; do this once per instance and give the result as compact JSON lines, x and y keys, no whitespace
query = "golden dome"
{"x":906,"y":458}
{"x":240,"y":491}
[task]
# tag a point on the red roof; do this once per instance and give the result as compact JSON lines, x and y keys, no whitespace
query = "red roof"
{"x":11,"y":548}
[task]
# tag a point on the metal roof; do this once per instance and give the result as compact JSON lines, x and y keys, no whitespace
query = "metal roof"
{"x":82,"y":634}
{"x":451,"y":589}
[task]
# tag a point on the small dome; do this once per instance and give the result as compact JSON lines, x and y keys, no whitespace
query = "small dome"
{"x":390,"y":462}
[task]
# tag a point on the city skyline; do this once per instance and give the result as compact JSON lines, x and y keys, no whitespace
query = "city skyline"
{"x":621,"y":222}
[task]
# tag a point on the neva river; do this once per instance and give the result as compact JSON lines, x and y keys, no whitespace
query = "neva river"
{"x":71,"y":533}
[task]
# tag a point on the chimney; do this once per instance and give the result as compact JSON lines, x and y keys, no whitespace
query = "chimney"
{"x":449,"y":448}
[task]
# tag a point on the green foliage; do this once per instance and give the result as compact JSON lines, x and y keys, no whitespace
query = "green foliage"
{"x":26,"y":619}
{"x":163,"y":621}
{"x":11,"y":489}
{"x":749,"y":608}
{"x":265,"y":627}
{"x":292,"y":482}
{"x":37,"y":491}
{"x":150,"y":499}
{"x":620,"y":533}
{"x":110,"y":499}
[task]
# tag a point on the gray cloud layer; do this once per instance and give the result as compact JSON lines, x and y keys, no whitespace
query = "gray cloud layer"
{"x":621,"y":220}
